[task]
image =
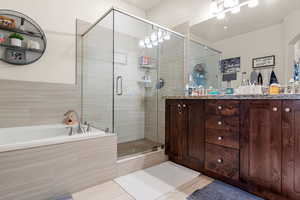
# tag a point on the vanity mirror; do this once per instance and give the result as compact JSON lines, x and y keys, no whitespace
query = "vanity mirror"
{"x":268,"y":28}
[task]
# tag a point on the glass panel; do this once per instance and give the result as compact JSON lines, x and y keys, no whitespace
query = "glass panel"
{"x":204,"y":65}
{"x":135,"y":76}
{"x":97,"y":71}
{"x":171,"y":70}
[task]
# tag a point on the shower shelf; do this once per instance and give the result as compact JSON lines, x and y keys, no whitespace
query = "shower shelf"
{"x":147,"y":66}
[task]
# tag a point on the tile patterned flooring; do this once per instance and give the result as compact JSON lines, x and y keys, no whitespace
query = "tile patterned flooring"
{"x":112,"y":191}
{"x":136,"y":147}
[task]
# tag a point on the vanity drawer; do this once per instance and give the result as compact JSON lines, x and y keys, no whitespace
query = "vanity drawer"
{"x":222,"y":107}
{"x":222,"y":161}
{"x":223,"y":138}
{"x":230,"y":124}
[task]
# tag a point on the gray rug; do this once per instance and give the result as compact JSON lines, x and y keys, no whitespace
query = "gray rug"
{"x":218,"y":190}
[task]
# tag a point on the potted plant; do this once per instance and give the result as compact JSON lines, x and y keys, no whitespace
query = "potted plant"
{"x":16,"y":39}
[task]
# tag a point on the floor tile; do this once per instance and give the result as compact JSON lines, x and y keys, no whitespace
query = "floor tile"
{"x":153,"y":182}
{"x":106,"y":191}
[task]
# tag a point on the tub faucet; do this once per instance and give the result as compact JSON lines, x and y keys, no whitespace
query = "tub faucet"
{"x":80,"y":129}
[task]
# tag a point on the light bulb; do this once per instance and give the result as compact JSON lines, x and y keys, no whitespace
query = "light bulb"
{"x":221,"y":16}
{"x":149,"y":45}
{"x":214,"y":7}
{"x":147,"y":40}
{"x":155,"y":43}
{"x":167,"y":36}
{"x":160,"y":40}
{"x":159,"y":33}
{"x":154,"y":36}
{"x":253,"y":3}
{"x":142,"y":44}
{"x":236,"y":10}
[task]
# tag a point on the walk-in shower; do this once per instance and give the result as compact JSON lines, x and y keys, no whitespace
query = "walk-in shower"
{"x":128,"y":64}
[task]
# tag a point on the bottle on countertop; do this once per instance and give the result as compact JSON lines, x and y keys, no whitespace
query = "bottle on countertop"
{"x":273,"y":78}
{"x":190,"y":87}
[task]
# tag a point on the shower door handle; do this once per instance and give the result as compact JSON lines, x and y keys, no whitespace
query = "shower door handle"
{"x":119,"y":85}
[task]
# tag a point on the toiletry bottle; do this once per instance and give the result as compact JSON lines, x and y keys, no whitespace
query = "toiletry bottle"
{"x":191,"y":86}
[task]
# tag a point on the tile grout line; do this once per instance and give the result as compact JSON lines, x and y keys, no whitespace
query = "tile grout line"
{"x":124,"y":190}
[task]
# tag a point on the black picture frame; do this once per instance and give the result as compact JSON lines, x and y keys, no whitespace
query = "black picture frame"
{"x":272,"y":57}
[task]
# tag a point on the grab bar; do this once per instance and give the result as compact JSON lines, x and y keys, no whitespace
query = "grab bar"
{"x":119,"y":85}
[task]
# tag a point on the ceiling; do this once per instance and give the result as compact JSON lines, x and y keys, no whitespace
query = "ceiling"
{"x":144,"y":4}
{"x":269,"y":12}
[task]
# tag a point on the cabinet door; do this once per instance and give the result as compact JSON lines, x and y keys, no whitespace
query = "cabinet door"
{"x":260,"y":152}
{"x":291,"y":148}
{"x":195,"y":132}
{"x":176,"y":129}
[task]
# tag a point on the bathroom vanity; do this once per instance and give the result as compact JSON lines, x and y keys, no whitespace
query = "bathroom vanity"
{"x":252,"y":142}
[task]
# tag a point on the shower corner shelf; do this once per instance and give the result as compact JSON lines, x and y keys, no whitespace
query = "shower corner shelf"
{"x":147,"y":66}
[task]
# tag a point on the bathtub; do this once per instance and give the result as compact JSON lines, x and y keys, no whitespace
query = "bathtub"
{"x":34,"y":136}
{"x":44,"y":162}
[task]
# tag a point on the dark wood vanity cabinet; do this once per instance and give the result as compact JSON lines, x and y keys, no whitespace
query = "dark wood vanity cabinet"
{"x":291,"y":148}
{"x":252,"y":144}
{"x":260,"y":143}
{"x":185,"y":132}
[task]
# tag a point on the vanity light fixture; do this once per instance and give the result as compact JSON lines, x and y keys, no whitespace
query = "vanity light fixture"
{"x":154,"y":39}
{"x":154,"y":36}
{"x":167,"y":36}
{"x":219,"y":8}
{"x":142,"y":44}
{"x":147,"y":40}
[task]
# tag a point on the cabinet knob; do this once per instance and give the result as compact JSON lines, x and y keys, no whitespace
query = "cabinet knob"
{"x":220,"y":107}
{"x":275,"y":109}
{"x":220,"y":138}
{"x":219,"y":123}
{"x":184,"y":106}
{"x":220,"y":160}
{"x":179,"y":106}
{"x":287,"y":110}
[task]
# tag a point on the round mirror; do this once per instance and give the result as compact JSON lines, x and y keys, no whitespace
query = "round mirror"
{"x":22,"y":41}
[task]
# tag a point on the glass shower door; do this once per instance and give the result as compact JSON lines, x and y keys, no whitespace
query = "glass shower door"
{"x":135,"y":93}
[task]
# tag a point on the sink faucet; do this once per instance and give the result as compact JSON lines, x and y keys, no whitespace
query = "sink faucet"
{"x":80,"y":129}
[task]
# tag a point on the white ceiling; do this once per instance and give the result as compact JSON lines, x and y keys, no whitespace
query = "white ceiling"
{"x":144,"y":4}
{"x":269,"y":12}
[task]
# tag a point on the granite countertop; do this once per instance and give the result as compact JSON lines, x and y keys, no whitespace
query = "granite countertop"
{"x":279,"y":96}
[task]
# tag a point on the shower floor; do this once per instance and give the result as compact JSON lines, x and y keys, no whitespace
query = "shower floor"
{"x":136,"y":147}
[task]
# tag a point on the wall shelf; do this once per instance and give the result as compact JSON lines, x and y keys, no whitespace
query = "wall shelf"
{"x":21,"y":48}
{"x":16,"y":30}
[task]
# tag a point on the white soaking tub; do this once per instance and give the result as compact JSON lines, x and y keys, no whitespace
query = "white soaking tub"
{"x":34,"y":136}
{"x":44,"y":162}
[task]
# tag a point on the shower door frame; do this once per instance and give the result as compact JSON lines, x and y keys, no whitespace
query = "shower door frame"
{"x":113,"y":10}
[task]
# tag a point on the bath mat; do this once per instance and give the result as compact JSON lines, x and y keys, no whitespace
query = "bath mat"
{"x":151,"y":183}
{"x":218,"y":190}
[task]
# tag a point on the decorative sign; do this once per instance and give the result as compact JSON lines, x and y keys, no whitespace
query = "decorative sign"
{"x":267,"y":61}
{"x":231,"y":65}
